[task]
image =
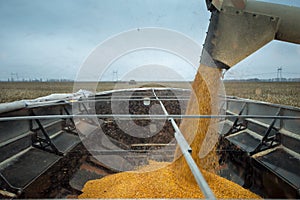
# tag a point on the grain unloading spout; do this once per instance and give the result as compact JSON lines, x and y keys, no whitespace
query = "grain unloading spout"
{"x":238,"y":28}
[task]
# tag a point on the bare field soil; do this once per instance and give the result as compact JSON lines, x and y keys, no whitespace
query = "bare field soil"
{"x":287,"y":93}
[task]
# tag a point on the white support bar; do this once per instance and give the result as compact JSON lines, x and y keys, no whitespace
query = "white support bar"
{"x":186,"y":151}
{"x":180,"y":138}
{"x":162,"y":117}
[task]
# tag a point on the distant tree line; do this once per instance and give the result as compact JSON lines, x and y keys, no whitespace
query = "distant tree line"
{"x":264,"y":80}
{"x":133,"y":82}
{"x":38,"y":80}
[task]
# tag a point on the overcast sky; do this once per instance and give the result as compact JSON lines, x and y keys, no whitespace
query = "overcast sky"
{"x":52,"y":38}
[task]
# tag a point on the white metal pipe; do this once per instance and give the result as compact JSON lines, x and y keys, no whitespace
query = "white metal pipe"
{"x":162,"y":117}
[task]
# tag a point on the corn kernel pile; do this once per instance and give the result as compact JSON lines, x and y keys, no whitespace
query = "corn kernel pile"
{"x":162,"y":183}
{"x":174,"y":180}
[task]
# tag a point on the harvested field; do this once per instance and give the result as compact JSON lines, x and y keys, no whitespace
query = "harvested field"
{"x":13,"y":91}
{"x":287,"y":93}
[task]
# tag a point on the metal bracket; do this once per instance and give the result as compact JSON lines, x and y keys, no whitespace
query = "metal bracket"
{"x":88,"y":120}
{"x":267,"y":141}
{"x":43,"y":143}
{"x":237,"y":126}
{"x":69,"y":124}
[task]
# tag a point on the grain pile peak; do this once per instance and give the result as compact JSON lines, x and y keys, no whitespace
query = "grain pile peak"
{"x":175,"y":180}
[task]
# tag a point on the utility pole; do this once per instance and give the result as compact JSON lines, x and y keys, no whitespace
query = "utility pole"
{"x":12,"y":76}
{"x":115,"y":76}
{"x":279,"y":74}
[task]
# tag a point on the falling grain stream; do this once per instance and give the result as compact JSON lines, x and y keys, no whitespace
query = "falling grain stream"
{"x":175,"y":180}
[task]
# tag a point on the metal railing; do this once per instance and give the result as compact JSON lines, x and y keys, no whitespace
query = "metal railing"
{"x":163,"y":117}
